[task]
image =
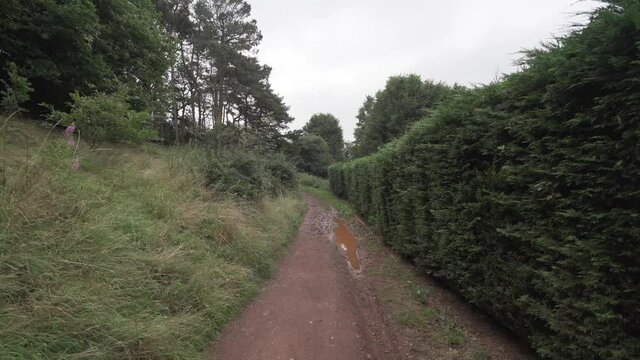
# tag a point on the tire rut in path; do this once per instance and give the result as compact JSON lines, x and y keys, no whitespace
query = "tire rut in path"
{"x":314,"y":309}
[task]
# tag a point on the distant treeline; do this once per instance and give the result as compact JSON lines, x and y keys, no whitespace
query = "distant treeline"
{"x":524,"y":194}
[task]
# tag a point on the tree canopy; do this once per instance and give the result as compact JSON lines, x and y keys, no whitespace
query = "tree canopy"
{"x":403,"y":101}
{"x":190,"y":64}
{"x":217,"y":80}
{"x":311,"y":154}
{"x":83,"y":45}
{"x":328,"y":128}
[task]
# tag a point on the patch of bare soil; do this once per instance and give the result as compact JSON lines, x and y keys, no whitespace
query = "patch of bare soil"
{"x":316,"y":307}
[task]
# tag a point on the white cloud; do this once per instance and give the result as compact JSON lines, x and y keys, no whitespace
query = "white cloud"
{"x":327,"y":55}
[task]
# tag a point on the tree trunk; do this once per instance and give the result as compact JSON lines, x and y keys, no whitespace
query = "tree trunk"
{"x":174,"y":107}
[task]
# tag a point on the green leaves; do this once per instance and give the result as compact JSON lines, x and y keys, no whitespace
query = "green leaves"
{"x":404,"y":100}
{"x":107,"y":117}
{"x":84,"y":45}
{"x":17,"y":91}
{"x":328,"y":128}
{"x":247,"y":176}
{"x":216,"y":79}
{"x":311,"y":154}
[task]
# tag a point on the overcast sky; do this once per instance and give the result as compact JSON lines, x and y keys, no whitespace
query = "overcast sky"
{"x":327,"y":55}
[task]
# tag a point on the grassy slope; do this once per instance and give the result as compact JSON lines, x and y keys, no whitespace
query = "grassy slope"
{"x":129,"y":257}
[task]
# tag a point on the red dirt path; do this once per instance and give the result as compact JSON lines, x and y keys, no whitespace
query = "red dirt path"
{"x":313,"y":309}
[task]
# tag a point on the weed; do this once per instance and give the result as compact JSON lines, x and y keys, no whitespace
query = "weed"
{"x":452,"y":334}
{"x":481,"y":354}
{"x":420,"y":292}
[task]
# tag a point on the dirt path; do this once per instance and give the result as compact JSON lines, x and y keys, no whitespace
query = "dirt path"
{"x":313,"y":309}
{"x":318,"y":307}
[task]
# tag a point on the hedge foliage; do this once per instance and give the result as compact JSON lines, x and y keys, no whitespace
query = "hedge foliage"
{"x":524,"y":195}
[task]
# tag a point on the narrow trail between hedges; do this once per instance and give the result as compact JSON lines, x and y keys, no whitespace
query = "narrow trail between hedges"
{"x":320,"y":306}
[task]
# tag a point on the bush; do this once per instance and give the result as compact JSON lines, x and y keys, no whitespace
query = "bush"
{"x":524,"y":195}
{"x":249,"y":176}
{"x":106,"y":117}
{"x":282,"y":172}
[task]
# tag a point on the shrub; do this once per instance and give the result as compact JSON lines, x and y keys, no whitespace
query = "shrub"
{"x":106,"y":117}
{"x":249,"y":176}
{"x":282,"y":172}
{"x":524,"y":194}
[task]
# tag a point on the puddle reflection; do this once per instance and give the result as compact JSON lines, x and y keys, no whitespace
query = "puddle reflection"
{"x":347,"y":243}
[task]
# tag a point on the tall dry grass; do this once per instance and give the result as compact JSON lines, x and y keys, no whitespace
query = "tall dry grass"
{"x":129,"y":257}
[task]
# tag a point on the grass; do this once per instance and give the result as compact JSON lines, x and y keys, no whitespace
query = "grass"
{"x":129,"y":257}
{"x":319,"y":188}
{"x":342,"y":207}
{"x":452,"y":334}
{"x":481,"y":355}
{"x":309,"y":180}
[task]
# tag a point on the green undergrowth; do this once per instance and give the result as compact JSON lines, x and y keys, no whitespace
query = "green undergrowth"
{"x":129,"y":257}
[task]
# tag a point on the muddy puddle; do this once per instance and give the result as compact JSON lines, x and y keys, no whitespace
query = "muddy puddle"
{"x":347,"y":243}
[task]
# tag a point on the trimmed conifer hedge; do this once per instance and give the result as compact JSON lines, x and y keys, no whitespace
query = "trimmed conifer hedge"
{"x":524,"y":195}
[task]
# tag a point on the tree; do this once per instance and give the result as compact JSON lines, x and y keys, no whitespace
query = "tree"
{"x":312,"y":155}
{"x":404,"y":100}
{"x":328,"y":128}
{"x":134,"y":45}
{"x":190,"y":64}
{"x":226,"y":31}
{"x":216,"y":80}
{"x":347,"y":153}
{"x":364,"y":144}
{"x":84,"y":45}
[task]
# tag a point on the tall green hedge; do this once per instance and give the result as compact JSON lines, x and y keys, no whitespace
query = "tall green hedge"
{"x":524,"y":195}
